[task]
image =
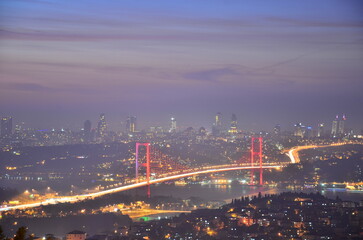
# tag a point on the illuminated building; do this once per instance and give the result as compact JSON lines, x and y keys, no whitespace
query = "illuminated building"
{"x":233,"y":128}
{"x":173,"y":125}
{"x":277,"y":129}
{"x":299,"y":130}
{"x":202,"y":133}
{"x":156,"y":129}
{"x":308,"y":133}
{"x":218,"y":120}
{"x":76,"y":235}
{"x":341,"y":129}
{"x":338,"y":125}
{"x":217,"y":125}
{"x":102,"y":126}
{"x":334,"y":126}
{"x":17,"y":129}
{"x":6,"y":126}
{"x":131,"y":124}
{"x":321,"y":130}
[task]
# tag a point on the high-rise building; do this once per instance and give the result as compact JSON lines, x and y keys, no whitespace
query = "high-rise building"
{"x":156,"y":129}
{"x":6,"y":126}
{"x":218,"y":120}
{"x":308,"y":132}
{"x":277,"y":129}
{"x":338,"y":125}
{"x":233,"y":127}
{"x":202,"y":131}
{"x":217,"y":125}
{"x":87,"y":126}
{"x":87,"y":130}
{"x":299,"y":130}
{"x":341,"y":128}
{"x":320,"y":130}
{"x":172,"y":125}
{"x":334,"y":126}
{"x":131,"y":124}
{"x":102,"y":126}
{"x":17,"y":129}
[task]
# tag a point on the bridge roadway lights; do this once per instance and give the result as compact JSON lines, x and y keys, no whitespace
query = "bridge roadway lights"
{"x":77,"y":198}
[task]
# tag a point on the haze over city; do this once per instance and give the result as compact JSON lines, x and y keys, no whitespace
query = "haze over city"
{"x":268,"y":62}
{"x":193,"y":119}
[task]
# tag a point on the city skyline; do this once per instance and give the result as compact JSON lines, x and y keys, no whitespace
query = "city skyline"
{"x":272,"y":63}
{"x":183,"y":119}
{"x":130,"y":124}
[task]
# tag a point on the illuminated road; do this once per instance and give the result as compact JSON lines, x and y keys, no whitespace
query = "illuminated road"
{"x":134,"y":214}
{"x":293,"y":153}
{"x":70,"y":199}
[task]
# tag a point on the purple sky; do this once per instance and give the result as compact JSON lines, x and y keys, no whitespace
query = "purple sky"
{"x":62,"y":62}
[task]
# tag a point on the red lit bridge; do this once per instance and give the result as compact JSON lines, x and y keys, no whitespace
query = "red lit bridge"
{"x":182,"y":172}
{"x":166,"y":170}
{"x":76,"y":198}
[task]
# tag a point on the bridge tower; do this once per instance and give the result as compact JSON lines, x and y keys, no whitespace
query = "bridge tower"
{"x":255,"y":153}
{"x":147,"y":145}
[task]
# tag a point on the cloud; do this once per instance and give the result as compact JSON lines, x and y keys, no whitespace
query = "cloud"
{"x":233,"y":77}
{"x":52,"y":36}
{"x":31,"y":87}
{"x":287,"y":61}
{"x":83,"y":66}
{"x":33,"y":1}
{"x":208,"y":22}
{"x":235,"y":72}
{"x":35,"y":88}
{"x":211,"y":75}
{"x":314,"y":23}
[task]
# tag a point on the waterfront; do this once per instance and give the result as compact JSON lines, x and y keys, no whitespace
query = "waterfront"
{"x":225,"y":193}
{"x":229,"y":191}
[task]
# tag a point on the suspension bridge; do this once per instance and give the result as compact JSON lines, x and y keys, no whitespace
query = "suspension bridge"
{"x":161,"y":168}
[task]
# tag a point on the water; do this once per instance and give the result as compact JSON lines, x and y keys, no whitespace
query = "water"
{"x":225,"y":193}
{"x":343,"y":194}
{"x":228,"y":192}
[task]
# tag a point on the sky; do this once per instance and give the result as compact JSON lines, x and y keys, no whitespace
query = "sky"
{"x":269,"y":62}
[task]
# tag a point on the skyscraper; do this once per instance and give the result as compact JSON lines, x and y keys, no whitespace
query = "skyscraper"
{"x":218,"y":120}
{"x":277,"y":129}
{"x":87,"y":130}
{"x":233,"y":128}
{"x":172,"y":125}
{"x":308,"y":132}
{"x":102,"y":126}
{"x":334,"y":126}
{"x":217,"y":125}
{"x":6,"y":126}
{"x":321,"y":130}
{"x":338,"y":125}
{"x":131,"y":124}
{"x":299,"y":130}
{"x":341,"y":128}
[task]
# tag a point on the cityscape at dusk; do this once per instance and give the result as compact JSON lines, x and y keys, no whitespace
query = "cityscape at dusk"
{"x":279,"y":62}
{"x":221,"y":119}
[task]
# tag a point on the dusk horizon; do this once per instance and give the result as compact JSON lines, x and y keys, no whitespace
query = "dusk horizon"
{"x":181,"y":119}
{"x":270,"y":63}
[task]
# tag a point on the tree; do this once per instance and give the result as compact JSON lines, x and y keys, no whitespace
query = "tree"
{"x":2,"y":236}
{"x":20,"y":234}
